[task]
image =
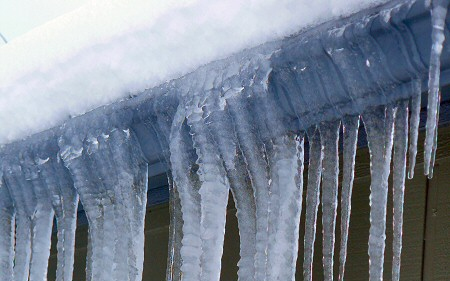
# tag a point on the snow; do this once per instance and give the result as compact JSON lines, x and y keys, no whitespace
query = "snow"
{"x":107,"y":50}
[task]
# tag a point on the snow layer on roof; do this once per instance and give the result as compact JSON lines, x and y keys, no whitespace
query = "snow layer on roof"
{"x":106,"y":50}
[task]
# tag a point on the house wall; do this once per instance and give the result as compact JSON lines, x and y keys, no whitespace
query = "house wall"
{"x":426,"y":240}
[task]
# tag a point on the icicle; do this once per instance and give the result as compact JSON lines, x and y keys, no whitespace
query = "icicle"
{"x":379,"y":128}
{"x":414,"y":126}
{"x":220,"y":125}
{"x":329,"y":133}
{"x":399,"y":170}
{"x":285,"y":193}
{"x":312,"y":199}
{"x":65,"y":204}
{"x":245,"y":213}
{"x":285,"y":247}
{"x":435,"y":139}
{"x":300,"y":140}
{"x":88,"y":187}
{"x":98,"y":157}
{"x":285,"y":205}
{"x":438,"y":15}
{"x":24,"y":203}
{"x":132,"y":189}
{"x":174,"y":262}
{"x":42,"y":220}
{"x":7,"y":214}
{"x":214,"y":192}
{"x":189,"y":198}
{"x":350,"y":126}
{"x":162,"y":128}
{"x":116,"y":231}
{"x":252,"y":149}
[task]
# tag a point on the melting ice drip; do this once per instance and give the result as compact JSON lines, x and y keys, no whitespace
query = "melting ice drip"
{"x":225,"y":133}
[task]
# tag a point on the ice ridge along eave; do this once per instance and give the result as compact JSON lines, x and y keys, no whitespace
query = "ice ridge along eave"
{"x":323,"y":73}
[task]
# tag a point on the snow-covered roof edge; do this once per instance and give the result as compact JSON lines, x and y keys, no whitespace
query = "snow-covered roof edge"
{"x":106,"y":50}
{"x":295,"y":46}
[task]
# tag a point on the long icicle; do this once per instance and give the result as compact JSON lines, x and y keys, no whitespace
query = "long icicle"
{"x":180,"y":160}
{"x":214,"y":192}
{"x":7,"y":214}
{"x":223,"y":130}
{"x":399,"y":170}
{"x":435,"y":140}
{"x":350,"y":126}
{"x":132,"y":189}
{"x":173,"y":271}
{"x":379,"y":128}
{"x":329,"y":133}
{"x":41,"y":223}
{"x":97,"y":157}
{"x":252,"y":148}
{"x":65,"y":204}
{"x":284,"y":210}
{"x":312,"y":200}
{"x":24,"y":203}
{"x":162,"y":127}
{"x":289,"y":221}
{"x":87,"y":185}
{"x":414,"y":126}
{"x":438,"y":16}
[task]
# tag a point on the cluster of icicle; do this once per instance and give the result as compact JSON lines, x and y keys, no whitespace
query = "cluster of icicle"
{"x":230,"y":136}
{"x":105,"y":170}
{"x":241,"y":145}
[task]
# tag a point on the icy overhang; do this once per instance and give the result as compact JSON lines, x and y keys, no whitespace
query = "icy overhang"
{"x":338,"y":68}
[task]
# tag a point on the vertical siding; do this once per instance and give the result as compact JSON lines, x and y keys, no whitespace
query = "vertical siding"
{"x":437,"y":246}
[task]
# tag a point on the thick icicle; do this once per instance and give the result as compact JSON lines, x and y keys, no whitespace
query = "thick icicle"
{"x":25,"y":204}
{"x":285,"y":208}
{"x":438,"y":16}
{"x":88,"y":187}
{"x":160,"y":122}
{"x":214,"y":191}
{"x":400,"y":147}
{"x":116,"y":232}
{"x":220,"y":125}
{"x":187,"y":184}
{"x":253,"y":151}
{"x":312,"y":199}
{"x":7,"y":214}
{"x":42,"y":220}
{"x":414,"y":126}
{"x":131,"y":189}
{"x":379,"y":128}
{"x":288,"y":173}
{"x":65,"y":203}
{"x":329,"y":133}
{"x":350,"y":126}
